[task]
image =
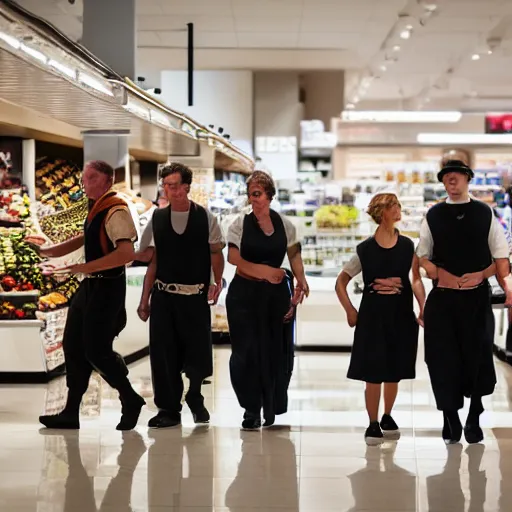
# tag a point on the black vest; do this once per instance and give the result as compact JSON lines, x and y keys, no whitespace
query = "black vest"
{"x":92,"y":243}
{"x":185,"y":258}
{"x":461,"y":236}
{"x":380,"y":263}
{"x":257,"y":247}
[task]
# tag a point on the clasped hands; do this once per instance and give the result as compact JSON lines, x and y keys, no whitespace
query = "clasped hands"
{"x":387,"y":286}
{"x":465,"y":282}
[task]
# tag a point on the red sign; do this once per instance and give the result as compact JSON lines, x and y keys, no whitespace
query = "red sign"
{"x":498,"y":123}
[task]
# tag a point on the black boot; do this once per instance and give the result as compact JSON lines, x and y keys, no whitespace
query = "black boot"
{"x":472,"y":430}
{"x":452,"y":428}
{"x":62,"y":421}
{"x":68,"y":418}
{"x":252,"y":421}
{"x":132,"y":403}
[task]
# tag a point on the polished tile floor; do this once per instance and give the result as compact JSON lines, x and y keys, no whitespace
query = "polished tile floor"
{"x":314,"y":460}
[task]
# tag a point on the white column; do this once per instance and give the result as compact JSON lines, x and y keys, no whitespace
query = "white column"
{"x":29,"y":166}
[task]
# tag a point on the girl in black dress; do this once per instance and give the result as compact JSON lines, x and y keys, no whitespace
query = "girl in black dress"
{"x":260,"y":301}
{"x":386,"y":335}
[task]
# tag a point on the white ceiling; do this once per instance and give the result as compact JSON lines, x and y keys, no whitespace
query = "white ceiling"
{"x":434,"y":64}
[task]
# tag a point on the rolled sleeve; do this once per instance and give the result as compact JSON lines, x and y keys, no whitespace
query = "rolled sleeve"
{"x":425,"y":247}
{"x":120,"y":226}
{"x":353,"y":267}
{"x":147,"y":239}
{"x":498,"y":244}
{"x":215,"y":233}
{"x":235,"y":230}
{"x":291,"y":231}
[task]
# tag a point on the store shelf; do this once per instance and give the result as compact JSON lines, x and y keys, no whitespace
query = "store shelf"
{"x":21,"y":323}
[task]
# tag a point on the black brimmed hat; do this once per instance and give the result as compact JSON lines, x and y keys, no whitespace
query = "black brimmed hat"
{"x":455,"y":166}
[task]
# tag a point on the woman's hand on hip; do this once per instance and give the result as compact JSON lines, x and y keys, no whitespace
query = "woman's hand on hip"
{"x":352,"y":317}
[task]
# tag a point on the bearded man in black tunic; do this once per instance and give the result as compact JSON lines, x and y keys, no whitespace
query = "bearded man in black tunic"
{"x":461,"y":245}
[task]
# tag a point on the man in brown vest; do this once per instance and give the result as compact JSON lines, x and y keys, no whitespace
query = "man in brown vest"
{"x":97,"y":313}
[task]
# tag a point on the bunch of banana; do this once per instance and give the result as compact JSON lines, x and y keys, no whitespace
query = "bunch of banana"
{"x":65,"y":224}
{"x":58,"y":183}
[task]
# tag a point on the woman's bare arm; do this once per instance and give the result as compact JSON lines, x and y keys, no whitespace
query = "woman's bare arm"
{"x":255,"y":270}
{"x":342,"y":293}
{"x":417,"y":284}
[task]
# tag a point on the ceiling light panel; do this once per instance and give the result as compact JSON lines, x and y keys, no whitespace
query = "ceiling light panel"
{"x":401,"y":116}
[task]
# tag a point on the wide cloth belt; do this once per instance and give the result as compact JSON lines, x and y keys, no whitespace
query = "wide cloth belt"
{"x":179,"y":289}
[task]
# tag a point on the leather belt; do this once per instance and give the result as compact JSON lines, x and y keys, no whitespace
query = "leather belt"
{"x":179,"y":289}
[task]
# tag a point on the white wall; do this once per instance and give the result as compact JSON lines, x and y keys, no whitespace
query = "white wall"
{"x":221,"y":98}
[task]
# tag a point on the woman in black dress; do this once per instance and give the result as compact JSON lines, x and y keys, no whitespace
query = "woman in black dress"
{"x":260,"y":302}
{"x":386,"y":335}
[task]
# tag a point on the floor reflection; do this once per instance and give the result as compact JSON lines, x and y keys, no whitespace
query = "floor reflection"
{"x":382,"y":475}
{"x":319,"y":464}
{"x":79,"y":491}
{"x":279,"y":486}
{"x":181,"y":468}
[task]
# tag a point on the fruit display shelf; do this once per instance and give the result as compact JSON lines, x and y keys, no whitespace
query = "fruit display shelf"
{"x":66,"y":224}
{"x":58,"y":183}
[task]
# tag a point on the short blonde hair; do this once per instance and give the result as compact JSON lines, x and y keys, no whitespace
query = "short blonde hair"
{"x":379,"y":203}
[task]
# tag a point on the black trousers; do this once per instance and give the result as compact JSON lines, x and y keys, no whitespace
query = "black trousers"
{"x":96,"y":316}
{"x":261,"y":357}
{"x":179,"y":342}
{"x":459,"y":334}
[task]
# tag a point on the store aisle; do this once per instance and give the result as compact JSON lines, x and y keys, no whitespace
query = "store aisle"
{"x":319,"y":463}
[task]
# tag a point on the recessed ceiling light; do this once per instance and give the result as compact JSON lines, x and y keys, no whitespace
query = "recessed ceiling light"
{"x":475,"y":56}
{"x":489,"y":52}
{"x":405,"y":34}
{"x":383,"y":67}
{"x":430,"y":6}
{"x":396,"y":48}
{"x":408,"y":27}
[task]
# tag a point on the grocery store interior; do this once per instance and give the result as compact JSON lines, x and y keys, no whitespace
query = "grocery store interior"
{"x":337,"y":100}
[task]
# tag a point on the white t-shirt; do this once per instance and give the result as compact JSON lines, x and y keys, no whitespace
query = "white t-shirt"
{"x":236,"y":228}
{"x":179,"y":224}
{"x":498,"y":244}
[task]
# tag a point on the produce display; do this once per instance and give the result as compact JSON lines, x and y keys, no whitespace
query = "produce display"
{"x":8,"y":311}
{"x":55,"y":300}
{"x":58,"y":183}
{"x":14,"y":206}
{"x":66,"y":224}
{"x":19,"y":268}
{"x":336,"y":216}
{"x":20,"y":272}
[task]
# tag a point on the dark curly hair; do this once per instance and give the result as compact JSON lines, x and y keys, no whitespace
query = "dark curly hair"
{"x":176,"y":168}
{"x":265,"y":181}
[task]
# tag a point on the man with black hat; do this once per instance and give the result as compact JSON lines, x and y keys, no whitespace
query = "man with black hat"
{"x":461,"y":245}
